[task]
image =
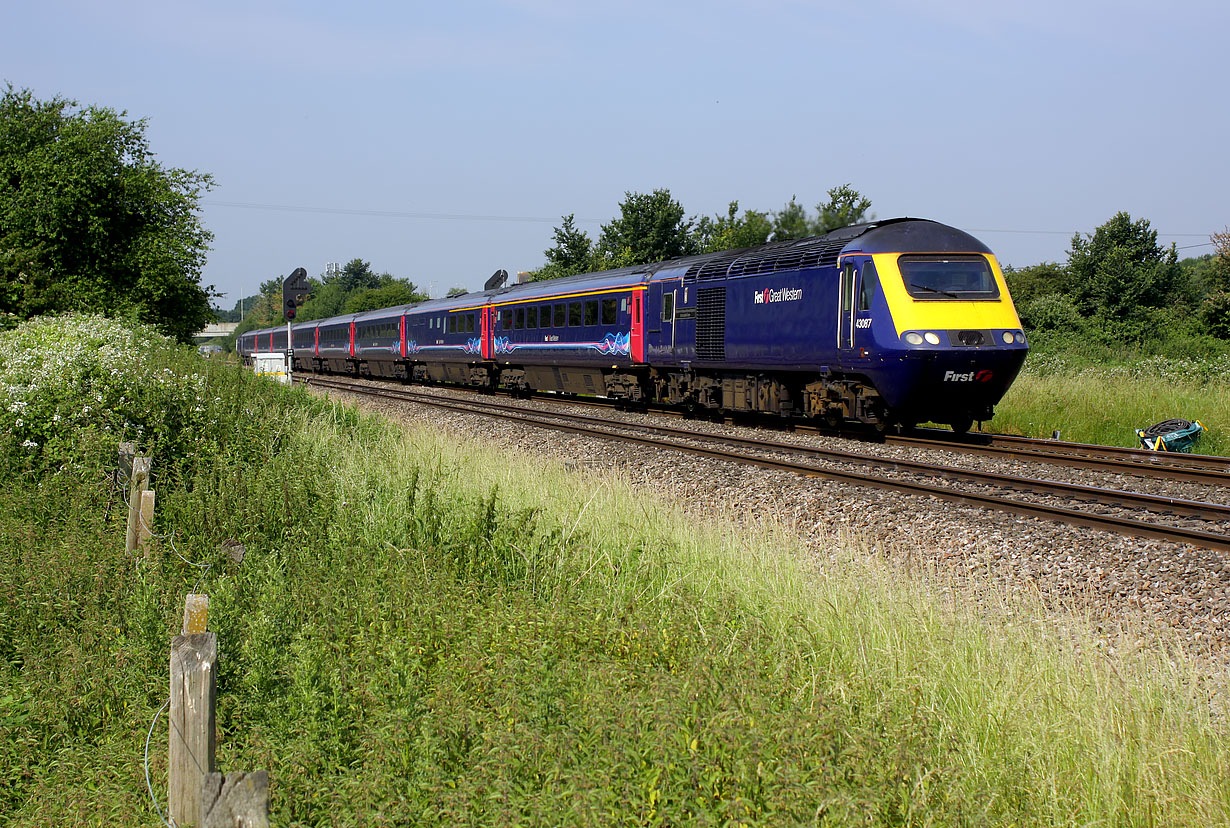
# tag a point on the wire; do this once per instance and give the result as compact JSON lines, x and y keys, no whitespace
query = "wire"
{"x":417,"y":214}
{"x":149,"y":785}
{"x":342,"y":211}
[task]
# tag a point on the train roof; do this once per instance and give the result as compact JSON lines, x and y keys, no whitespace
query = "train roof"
{"x":895,"y":235}
{"x":914,"y":235}
{"x":379,"y":313}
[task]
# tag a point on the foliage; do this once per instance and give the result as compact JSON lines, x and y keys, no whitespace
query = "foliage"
{"x":1105,"y":402}
{"x":1035,"y":281}
{"x":1219,"y":275}
{"x":649,"y":228}
{"x":430,"y":640}
{"x":86,"y":375}
{"x":355,"y":275}
{"x":1215,"y":314}
{"x":791,"y":222}
{"x":572,"y":252}
{"x":388,"y":295}
{"x":90,"y":221}
{"x":845,"y":206}
{"x":1121,"y":271}
{"x":239,"y":312}
{"x":652,"y":228}
{"x":1050,"y":312}
{"x":731,"y":231}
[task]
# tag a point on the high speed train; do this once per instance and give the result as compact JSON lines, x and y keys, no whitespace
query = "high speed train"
{"x":891,"y":322}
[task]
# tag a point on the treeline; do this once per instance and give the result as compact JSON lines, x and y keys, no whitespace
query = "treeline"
{"x":649,"y":228}
{"x":1121,"y":290}
{"x":91,"y":222}
{"x":653,"y":227}
{"x":354,"y":288}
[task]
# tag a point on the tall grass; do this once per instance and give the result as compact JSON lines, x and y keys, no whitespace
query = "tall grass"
{"x":432,"y":631}
{"x":1105,"y":404}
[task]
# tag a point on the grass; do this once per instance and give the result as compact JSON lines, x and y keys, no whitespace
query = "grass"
{"x":1105,"y":404}
{"x":460,"y":635}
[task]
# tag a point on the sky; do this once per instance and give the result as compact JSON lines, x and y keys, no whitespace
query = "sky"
{"x":444,"y":141}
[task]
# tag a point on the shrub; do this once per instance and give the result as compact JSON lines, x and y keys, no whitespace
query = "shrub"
{"x":68,"y":379}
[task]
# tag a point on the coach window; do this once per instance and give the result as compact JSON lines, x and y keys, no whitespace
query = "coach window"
{"x":609,"y":314}
{"x":574,"y":314}
{"x":668,"y":306}
{"x":591,"y":312}
{"x":544,"y":316}
{"x":519,"y":316}
{"x":561,"y":315}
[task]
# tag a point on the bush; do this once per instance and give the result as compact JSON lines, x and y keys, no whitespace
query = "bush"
{"x":1215,"y":314}
{"x":1055,"y":312}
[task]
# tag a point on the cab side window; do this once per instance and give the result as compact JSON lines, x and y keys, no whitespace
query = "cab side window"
{"x":866,"y":286}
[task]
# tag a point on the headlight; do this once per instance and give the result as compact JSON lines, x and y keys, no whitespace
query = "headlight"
{"x":932,"y":338}
{"x":1009,"y":338}
{"x":914,"y":338}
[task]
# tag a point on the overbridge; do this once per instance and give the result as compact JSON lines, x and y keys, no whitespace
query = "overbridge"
{"x":217,"y":330}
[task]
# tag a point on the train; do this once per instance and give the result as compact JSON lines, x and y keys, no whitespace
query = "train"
{"x":888,"y":323}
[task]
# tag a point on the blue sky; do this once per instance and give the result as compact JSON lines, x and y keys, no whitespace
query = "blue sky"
{"x":443,"y":141}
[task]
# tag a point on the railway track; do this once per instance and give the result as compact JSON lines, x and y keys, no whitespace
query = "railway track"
{"x":1132,"y":513}
{"x":1191,"y":468}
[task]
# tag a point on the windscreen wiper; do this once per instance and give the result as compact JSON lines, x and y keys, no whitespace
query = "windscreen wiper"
{"x":934,"y":290}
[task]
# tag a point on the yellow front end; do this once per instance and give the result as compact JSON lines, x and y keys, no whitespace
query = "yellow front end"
{"x":914,"y":314}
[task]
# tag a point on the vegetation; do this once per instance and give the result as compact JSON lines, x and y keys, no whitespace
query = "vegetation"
{"x":652,"y":228}
{"x":90,"y":221}
{"x":1122,"y":297}
{"x":352,"y":289}
{"x":451,"y":636}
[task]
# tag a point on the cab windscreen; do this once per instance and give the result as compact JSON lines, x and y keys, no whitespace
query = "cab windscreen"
{"x":947,"y":277}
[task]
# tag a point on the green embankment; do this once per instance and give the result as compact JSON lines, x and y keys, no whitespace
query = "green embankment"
{"x":460,"y":635}
{"x":1105,"y":404}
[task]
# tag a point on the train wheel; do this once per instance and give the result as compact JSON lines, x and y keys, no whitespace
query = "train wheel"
{"x":962,"y":426}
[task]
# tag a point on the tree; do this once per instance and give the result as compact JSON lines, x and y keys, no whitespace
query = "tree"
{"x":732,"y":231}
{"x":845,"y":206}
{"x":356,"y":274}
{"x":573,"y":251}
{"x":391,"y":294}
{"x":1120,"y":271}
{"x":1220,"y":267}
{"x":354,"y":289}
{"x":791,"y":221}
{"x":1214,"y":311}
{"x":89,"y":221}
{"x":456,"y":291}
{"x":649,"y":228}
{"x":1036,"y":281}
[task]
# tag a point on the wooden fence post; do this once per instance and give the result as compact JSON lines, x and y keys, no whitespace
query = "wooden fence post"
{"x":137,"y":484}
{"x":145,"y":529}
{"x":193,"y":693}
{"x":235,"y":800}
